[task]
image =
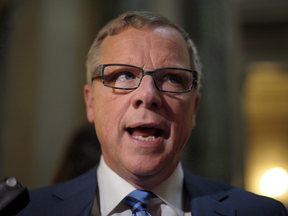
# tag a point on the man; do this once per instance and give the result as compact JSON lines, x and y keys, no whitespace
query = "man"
{"x":142,"y":95}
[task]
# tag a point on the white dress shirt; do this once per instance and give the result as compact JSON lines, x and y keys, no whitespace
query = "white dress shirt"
{"x":113,"y":189}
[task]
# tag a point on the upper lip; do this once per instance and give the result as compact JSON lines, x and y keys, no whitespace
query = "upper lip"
{"x":149,"y":125}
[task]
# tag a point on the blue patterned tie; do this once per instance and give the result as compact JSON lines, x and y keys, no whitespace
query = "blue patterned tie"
{"x":138,"y":201}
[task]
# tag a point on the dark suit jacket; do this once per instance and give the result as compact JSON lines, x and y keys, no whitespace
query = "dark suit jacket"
{"x":207,"y":198}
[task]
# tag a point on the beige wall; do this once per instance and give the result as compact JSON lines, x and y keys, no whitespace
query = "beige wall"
{"x":46,"y":74}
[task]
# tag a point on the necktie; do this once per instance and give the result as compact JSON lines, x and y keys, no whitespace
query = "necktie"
{"x":138,"y":201}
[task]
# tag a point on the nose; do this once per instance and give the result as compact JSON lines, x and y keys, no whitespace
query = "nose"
{"x":147,"y":95}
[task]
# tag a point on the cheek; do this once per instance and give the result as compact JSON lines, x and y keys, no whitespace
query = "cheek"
{"x":103,"y":118}
{"x":106,"y":124}
{"x":182,"y":118}
{"x":109,"y":110}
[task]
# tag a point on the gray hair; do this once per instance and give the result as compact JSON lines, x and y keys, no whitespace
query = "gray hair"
{"x":138,"y":20}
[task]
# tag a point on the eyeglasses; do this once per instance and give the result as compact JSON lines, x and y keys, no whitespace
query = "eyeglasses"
{"x":128,"y":77}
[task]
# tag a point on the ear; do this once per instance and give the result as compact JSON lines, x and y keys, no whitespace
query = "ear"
{"x":196,"y":99}
{"x":89,"y":101}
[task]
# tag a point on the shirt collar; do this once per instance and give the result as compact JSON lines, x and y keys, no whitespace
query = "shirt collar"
{"x":169,"y":191}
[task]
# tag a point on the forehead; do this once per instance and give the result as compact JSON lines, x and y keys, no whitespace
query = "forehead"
{"x":161,"y":45}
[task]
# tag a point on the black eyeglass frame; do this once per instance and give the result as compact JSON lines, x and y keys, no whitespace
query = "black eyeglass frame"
{"x":99,"y":71}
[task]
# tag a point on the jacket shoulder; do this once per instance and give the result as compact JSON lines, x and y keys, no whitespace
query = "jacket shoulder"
{"x":244,"y":202}
{"x":43,"y":199}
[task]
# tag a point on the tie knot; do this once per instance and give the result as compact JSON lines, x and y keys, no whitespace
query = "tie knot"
{"x":138,"y":200}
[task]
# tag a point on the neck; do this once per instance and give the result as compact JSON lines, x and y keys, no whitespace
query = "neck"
{"x":149,"y":182}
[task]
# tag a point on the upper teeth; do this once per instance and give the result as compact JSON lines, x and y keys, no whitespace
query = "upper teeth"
{"x":149,"y":138}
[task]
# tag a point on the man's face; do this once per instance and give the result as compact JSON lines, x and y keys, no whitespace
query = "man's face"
{"x":121,"y":117}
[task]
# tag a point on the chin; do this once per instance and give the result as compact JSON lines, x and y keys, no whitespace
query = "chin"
{"x":145,"y":166}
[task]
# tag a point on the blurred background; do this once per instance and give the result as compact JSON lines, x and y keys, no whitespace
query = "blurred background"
{"x":241,"y":135}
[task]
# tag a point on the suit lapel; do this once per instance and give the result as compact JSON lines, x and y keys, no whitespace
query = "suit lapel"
{"x":208,"y":206}
{"x":206,"y":199}
{"x":81,"y":205}
{"x":76,"y":197}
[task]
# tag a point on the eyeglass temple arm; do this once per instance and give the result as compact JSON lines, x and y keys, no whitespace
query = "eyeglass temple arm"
{"x":97,"y":71}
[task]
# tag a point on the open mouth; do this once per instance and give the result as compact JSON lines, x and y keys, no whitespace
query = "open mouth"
{"x":145,"y":133}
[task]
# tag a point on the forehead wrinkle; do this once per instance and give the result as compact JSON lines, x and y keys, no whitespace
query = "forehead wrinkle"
{"x":142,"y":56}
{"x":169,"y":59}
{"x":131,"y":44}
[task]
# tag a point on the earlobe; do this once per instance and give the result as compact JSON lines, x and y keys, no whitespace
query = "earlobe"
{"x":89,"y":101}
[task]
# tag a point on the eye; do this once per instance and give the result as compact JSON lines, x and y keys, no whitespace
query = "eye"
{"x":173,"y":78}
{"x":124,"y":75}
{"x":121,"y":76}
